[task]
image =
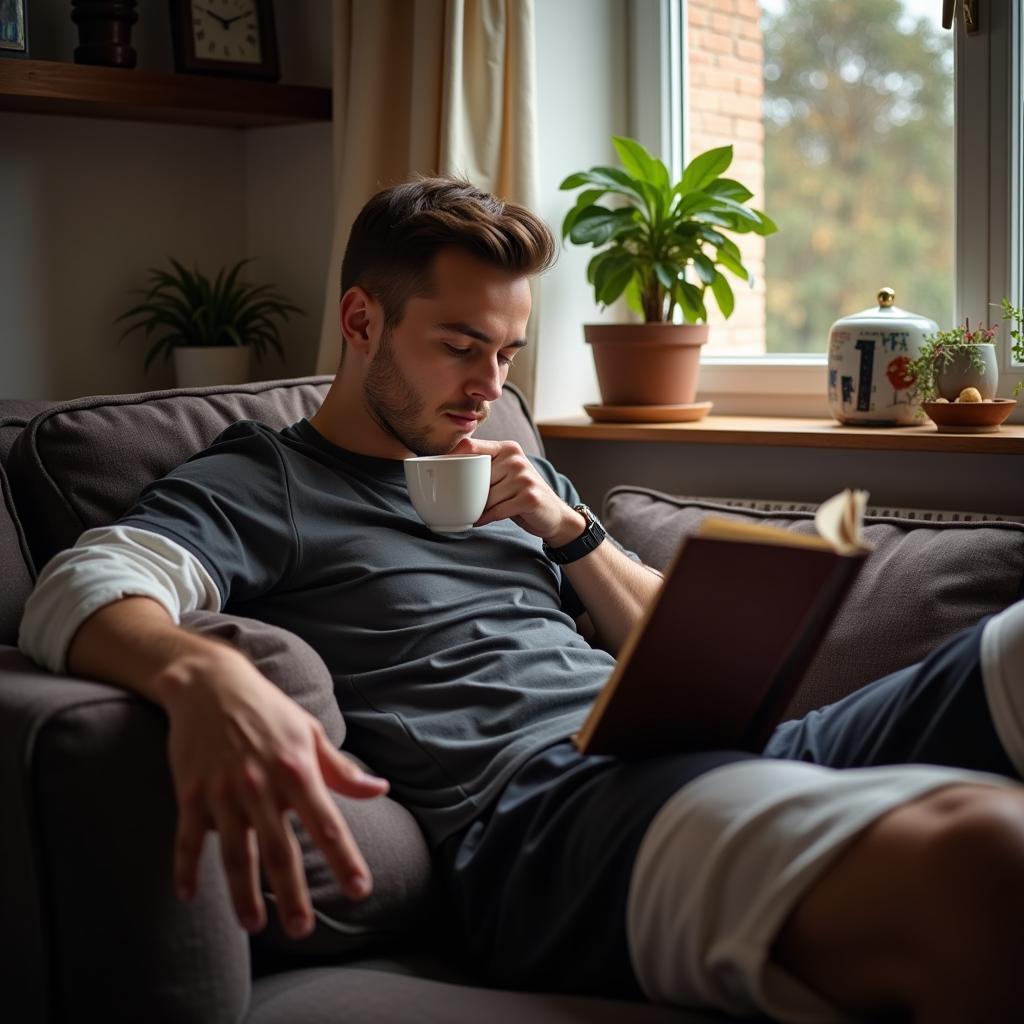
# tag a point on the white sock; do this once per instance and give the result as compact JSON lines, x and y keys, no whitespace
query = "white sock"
{"x":1002,"y":669}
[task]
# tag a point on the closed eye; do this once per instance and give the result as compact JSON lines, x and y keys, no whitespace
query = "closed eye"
{"x":503,"y":359}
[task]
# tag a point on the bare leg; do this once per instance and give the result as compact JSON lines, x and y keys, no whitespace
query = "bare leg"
{"x":923,"y":912}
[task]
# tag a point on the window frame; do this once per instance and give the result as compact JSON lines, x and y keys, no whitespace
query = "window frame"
{"x":988,"y":258}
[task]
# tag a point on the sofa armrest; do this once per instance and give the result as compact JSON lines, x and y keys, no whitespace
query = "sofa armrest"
{"x":92,"y":929}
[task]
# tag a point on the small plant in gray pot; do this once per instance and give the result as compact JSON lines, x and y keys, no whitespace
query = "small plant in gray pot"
{"x":956,"y":365}
{"x":212,"y":329}
{"x":663,"y":245}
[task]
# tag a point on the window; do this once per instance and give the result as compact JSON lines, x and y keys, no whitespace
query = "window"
{"x":842,"y":120}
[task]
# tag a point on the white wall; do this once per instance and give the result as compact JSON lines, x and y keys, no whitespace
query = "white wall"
{"x":86,"y":205}
{"x":582,"y":49}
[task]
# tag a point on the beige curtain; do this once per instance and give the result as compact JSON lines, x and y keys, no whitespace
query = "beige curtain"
{"x":429,"y":86}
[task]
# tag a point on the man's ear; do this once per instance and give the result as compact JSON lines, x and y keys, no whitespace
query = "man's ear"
{"x":361,"y":319}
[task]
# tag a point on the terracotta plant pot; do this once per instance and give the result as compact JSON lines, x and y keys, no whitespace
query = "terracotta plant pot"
{"x":647,"y":364}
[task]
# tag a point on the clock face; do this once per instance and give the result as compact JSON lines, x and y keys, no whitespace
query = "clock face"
{"x":226,"y":30}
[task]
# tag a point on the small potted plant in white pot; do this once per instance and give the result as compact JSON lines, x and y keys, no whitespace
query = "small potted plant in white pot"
{"x":663,"y":245}
{"x":211,"y":329}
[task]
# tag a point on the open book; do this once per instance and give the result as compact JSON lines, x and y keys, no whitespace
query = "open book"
{"x":719,"y":654}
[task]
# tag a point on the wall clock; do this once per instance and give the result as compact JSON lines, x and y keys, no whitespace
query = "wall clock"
{"x":225,"y":37}
{"x":13,"y":29}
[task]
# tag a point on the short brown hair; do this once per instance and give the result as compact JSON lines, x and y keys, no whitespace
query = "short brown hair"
{"x":398,"y":233}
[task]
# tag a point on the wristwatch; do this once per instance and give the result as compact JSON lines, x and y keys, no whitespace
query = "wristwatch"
{"x":583,"y":544}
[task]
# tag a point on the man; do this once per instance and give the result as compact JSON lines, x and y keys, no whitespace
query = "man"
{"x":462,"y":665}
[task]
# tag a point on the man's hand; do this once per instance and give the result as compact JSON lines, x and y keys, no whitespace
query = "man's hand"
{"x":518,"y":492}
{"x":242,"y":755}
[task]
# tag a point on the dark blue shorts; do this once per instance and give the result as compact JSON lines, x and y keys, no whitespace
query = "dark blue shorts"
{"x":540,"y":881}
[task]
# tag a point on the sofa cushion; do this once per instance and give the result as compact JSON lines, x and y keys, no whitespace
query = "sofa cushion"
{"x":80,"y":464}
{"x":386,"y":833}
{"x":923,"y":582}
{"x":15,"y":573}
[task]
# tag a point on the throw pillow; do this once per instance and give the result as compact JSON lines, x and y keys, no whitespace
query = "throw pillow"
{"x":386,"y":833}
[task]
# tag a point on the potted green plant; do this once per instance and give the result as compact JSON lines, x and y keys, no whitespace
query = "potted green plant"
{"x":663,"y":245}
{"x":952,"y":361}
{"x":211,"y":329}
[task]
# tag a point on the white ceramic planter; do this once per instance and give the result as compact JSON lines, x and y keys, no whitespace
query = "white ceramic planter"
{"x":203,"y":367}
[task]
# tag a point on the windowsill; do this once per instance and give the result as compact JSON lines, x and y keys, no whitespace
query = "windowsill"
{"x":788,"y":432}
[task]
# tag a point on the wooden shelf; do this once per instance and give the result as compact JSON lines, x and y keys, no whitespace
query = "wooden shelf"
{"x":778,"y":431}
{"x":82,"y":90}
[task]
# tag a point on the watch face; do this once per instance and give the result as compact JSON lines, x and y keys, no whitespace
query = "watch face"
{"x":226,"y":30}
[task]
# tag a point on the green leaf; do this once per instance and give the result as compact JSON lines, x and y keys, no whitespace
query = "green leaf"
{"x":705,"y":268}
{"x":597,"y":225}
{"x":768,"y":226}
{"x":734,"y":266}
{"x":617,"y":180}
{"x":666,"y":274}
{"x":716,"y":238}
{"x":617,"y":259}
{"x":640,"y":163}
{"x":575,"y":180}
{"x":727,"y":205}
{"x":703,"y":169}
{"x":730,"y":189}
{"x":693,"y":203}
{"x":585,"y":199}
{"x":594,"y":265}
{"x":616,"y":283}
{"x":710,"y":217}
{"x":723,"y":295}
{"x":729,"y":246}
{"x":690,"y":302}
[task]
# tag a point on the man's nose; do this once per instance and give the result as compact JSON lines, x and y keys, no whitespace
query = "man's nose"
{"x":485,"y":382}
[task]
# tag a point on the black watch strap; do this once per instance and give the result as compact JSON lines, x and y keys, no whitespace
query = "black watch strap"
{"x":583,"y":544}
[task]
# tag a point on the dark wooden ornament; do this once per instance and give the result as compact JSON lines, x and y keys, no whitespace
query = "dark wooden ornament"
{"x":104,"y":32}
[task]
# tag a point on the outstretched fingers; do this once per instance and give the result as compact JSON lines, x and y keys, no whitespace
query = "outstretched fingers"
{"x":193,"y":824}
{"x":240,"y":855}
{"x":266,"y":802}
{"x":328,"y":828}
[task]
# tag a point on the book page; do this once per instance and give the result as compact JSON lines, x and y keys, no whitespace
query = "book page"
{"x":839,"y":522}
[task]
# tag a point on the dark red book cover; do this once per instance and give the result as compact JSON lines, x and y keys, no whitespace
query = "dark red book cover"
{"x":722,"y":651}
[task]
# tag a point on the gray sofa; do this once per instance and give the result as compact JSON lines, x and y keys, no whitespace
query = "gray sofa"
{"x":91,"y":928}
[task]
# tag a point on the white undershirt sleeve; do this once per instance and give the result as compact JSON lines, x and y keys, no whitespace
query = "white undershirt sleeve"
{"x":106,"y":564}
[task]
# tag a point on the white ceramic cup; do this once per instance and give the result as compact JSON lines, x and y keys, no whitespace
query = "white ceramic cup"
{"x":449,"y":492}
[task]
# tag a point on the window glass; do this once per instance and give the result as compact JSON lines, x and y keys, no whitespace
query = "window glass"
{"x":841,"y":119}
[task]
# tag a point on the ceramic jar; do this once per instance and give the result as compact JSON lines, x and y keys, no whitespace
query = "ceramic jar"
{"x":868,"y":357}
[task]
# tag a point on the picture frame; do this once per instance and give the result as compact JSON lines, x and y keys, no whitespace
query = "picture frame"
{"x":13,"y":28}
{"x":234,"y":38}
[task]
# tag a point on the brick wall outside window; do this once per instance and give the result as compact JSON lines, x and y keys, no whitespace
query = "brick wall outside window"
{"x":726,"y":87}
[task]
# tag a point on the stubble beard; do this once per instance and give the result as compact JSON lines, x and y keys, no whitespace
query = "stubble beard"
{"x":394,"y":404}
